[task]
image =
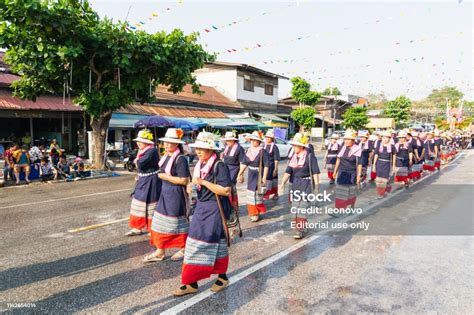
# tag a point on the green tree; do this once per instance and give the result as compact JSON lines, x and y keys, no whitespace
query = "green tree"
{"x":399,"y":109}
{"x":439,"y":97}
{"x":332,"y":91}
{"x":301,"y":92}
{"x":355,"y":118}
{"x":63,"y":45}
{"x":304,"y":117}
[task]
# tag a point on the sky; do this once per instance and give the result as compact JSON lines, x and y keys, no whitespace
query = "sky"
{"x":391,"y":47}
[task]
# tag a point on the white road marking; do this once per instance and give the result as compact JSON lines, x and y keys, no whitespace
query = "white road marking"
{"x":65,"y":198}
{"x":245,"y":273}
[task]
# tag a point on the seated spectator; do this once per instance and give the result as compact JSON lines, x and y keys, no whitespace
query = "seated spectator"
{"x":55,"y":154}
{"x":79,"y":170}
{"x":63,"y":169}
{"x":36,"y":153}
{"x":9,"y":162}
{"x":22,"y":163}
{"x":46,"y":170}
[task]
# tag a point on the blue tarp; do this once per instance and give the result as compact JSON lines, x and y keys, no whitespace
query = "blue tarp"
{"x":120,"y":120}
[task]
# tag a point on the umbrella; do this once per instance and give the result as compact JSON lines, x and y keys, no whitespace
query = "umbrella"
{"x":184,"y":124}
{"x":154,"y":121}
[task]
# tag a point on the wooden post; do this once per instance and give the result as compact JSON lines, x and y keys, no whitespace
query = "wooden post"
{"x":31,"y":132}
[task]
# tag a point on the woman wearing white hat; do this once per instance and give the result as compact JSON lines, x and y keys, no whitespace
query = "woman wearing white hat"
{"x":257,"y":161}
{"x":348,"y":171}
{"x":377,"y":139}
{"x":367,"y":153}
{"x":331,"y":156}
{"x":233,"y":155}
{"x":148,"y":186}
{"x":206,"y":247}
{"x":384,"y":163}
{"x":170,"y":223}
{"x":304,"y":170}
{"x":431,"y":153}
{"x":438,"y":141}
{"x":403,"y":159}
{"x":274,"y":154}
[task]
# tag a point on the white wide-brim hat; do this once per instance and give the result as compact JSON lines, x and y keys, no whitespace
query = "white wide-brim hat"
{"x":386,"y":134}
{"x":205,"y":140}
{"x":138,"y":139}
{"x":144,"y":136}
{"x":172,"y":136}
{"x":254,"y":136}
{"x":335,"y":136}
{"x":300,"y":140}
{"x":270,"y":134}
{"x":349,"y":135}
{"x":229,"y":135}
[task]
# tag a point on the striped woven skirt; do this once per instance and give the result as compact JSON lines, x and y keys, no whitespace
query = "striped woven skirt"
{"x":206,"y":247}
{"x":415,"y":171}
{"x":255,"y":203}
{"x":330,"y":169}
{"x":373,"y":174}
{"x":429,"y":165}
{"x":169,"y":228}
{"x":145,"y":197}
{"x":401,"y":174}
{"x":345,"y":196}
{"x":300,"y":217}
{"x":271,"y":183}
{"x":382,"y":185}
{"x":234,"y":197}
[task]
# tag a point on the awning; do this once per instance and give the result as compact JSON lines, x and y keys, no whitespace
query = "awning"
{"x":381,"y":123}
{"x":272,"y":117}
{"x":194,"y":120}
{"x":222,"y":123}
{"x":120,"y":120}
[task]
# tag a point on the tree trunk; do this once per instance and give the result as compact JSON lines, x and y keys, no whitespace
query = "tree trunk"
{"x":99,"y":130}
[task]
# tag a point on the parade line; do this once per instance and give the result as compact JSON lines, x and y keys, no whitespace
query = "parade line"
{"x":232,"y":280}
{"x":65,"y":198}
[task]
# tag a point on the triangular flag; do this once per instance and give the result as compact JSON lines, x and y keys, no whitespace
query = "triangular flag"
{"x":207,"y":31}
{"x":214,"y":27}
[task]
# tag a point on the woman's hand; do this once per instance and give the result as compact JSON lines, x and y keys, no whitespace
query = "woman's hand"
{"x":136,"y":177}
{"x":189,"y":188}
{"x":198,"y":181}
{"x":240,"y":179}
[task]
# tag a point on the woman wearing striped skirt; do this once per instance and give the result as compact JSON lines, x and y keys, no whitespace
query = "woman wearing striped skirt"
{"x":348,"y":172}
{"x":257,"y":161}
{"x":384,"y":163}
{"x":304,"y":180}
{"x":431,"y":153}
{"x":206,"y":246}
{"x":376,"y":141}
{"x":366,"y":155}
{"x":274,"y":155}
{"x":232,"y":156}
{"x":331,"y":156}
{"x":417,"y":166}
{"x":148,"y":186}
{"x":169,"y":228}
{"x":403,"y":159}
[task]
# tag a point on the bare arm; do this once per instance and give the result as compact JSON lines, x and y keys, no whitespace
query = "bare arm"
{"x":336,"y":168}
{"x":215,"y":188}
{"x":183,"y":181}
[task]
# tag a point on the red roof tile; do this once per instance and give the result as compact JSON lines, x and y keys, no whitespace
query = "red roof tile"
{"x":53,"y":103}
{"x":172,"y":111}
{"x":210,"y":97}
{"x":7,"y":78}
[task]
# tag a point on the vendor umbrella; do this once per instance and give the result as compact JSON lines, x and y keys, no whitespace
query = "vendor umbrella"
{"x":184,"y":124}
{"x":154,"y":121}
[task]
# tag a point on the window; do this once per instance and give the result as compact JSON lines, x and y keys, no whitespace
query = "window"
{"x":249,"y":84}
{"x":268,"y":89}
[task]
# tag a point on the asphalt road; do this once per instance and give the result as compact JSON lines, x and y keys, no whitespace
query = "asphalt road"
{"x":416,"y":256}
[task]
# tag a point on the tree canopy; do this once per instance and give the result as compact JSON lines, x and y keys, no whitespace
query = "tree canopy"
{"x":301,"y":92}
{"x":63,"y":46}
{"x":304,"y":116}
{"x":355,"y":118}
{"x":331,"y":91}
{"x":438,"y":97}
{"x":399,"y":109}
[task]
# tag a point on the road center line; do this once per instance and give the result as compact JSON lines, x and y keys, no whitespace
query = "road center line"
{"x":245,"y":273}
{"x":65,"y":198}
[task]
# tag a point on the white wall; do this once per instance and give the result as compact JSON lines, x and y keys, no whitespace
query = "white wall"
{"x":224,"y":81}
{"x":258,"y":95}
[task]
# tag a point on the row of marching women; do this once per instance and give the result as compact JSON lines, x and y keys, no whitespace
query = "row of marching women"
{"x":200,"y":232}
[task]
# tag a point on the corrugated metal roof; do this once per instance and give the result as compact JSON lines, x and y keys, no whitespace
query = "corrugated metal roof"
{"x":210,"y":96}
{"x":172,"y":111}
{"x":50,"y":103}
{"x":7,"y":78}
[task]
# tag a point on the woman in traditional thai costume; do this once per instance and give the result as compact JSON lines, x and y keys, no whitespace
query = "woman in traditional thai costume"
{"x":366,"y":156}
{"x":257,"y":161}
{"x":206,"y":246}
{"x":147,"y":187}
{"x":404,"y":159}
{"x":431,"y":153}
{"x":170,"y":223}
{"x":438,"y":141}
{"x":303,"y":168}
{"x":232,"y":156}
{"x":331,"y":156}
{"x":376,"y":141}
{"x":417,"y":166}
{"x":384,"y":163}
{"x":348,"y":171}
{"x":274,"y":155}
